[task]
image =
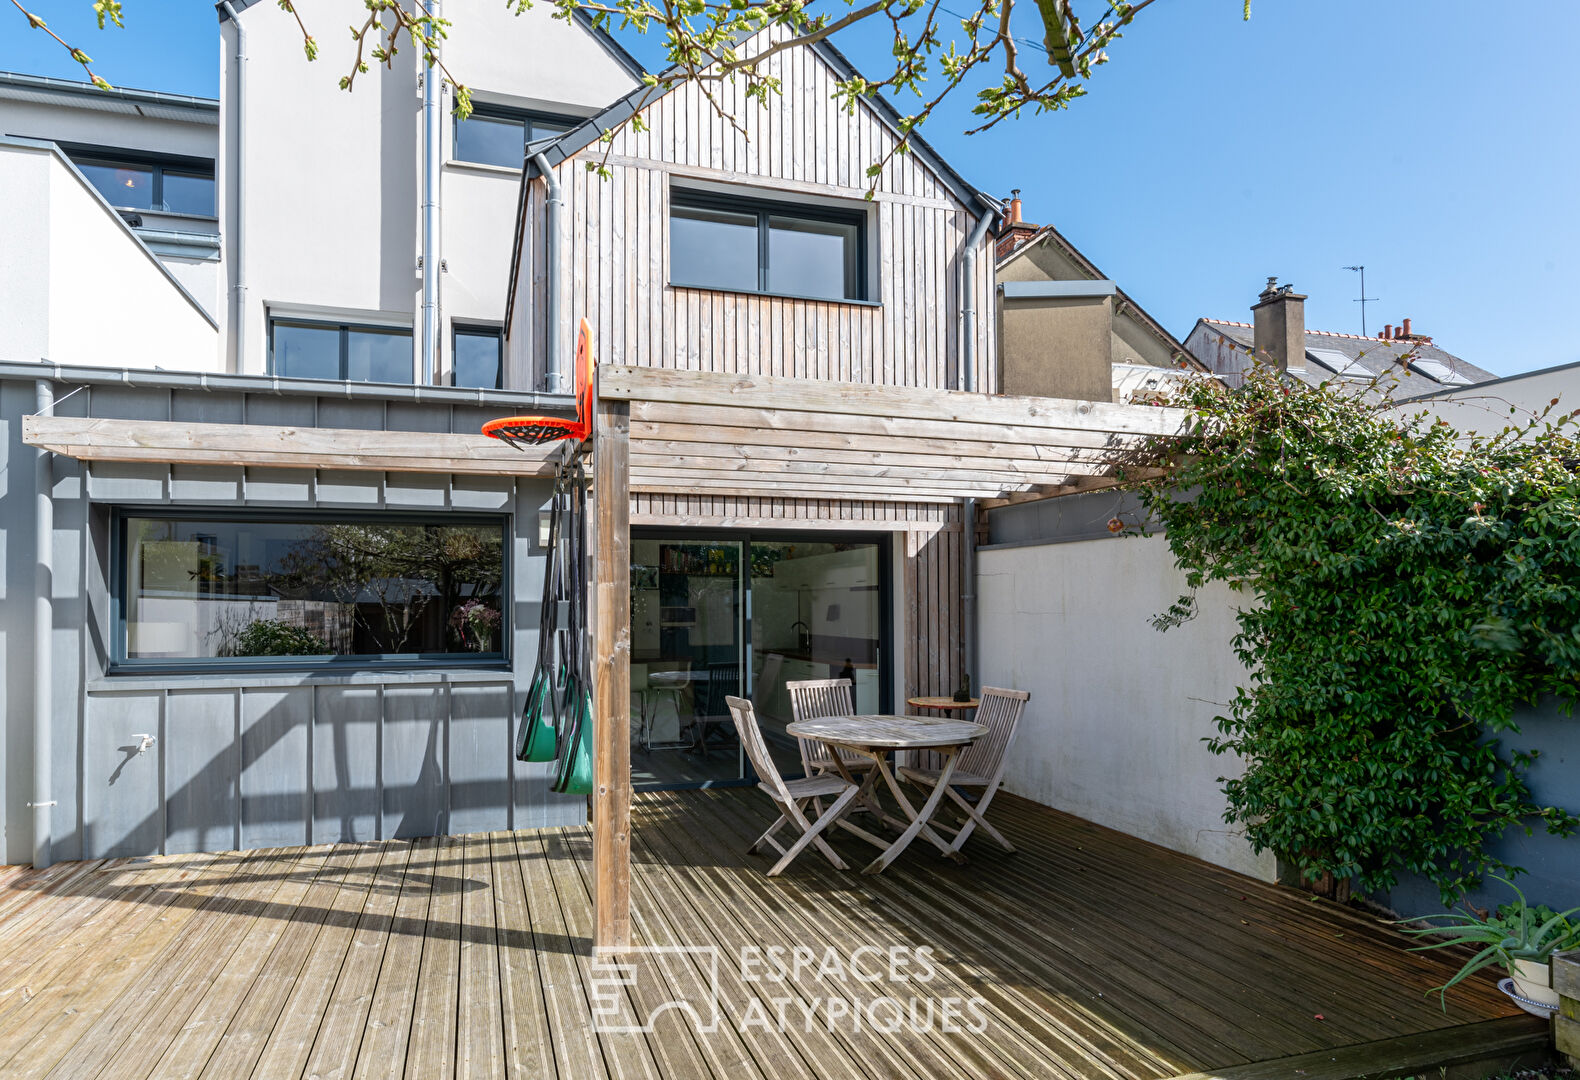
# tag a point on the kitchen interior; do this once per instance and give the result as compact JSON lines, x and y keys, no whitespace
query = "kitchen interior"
{"x":718,"y":617}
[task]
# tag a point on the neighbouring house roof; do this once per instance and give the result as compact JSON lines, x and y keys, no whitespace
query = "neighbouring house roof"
{"x":564,"y":147}
{"x":1416,"y":365}
{"x":1123,"y":304}
{"x":155,"y":104}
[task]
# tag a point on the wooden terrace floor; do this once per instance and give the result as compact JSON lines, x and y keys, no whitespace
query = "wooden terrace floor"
{"x":1093,"y":954}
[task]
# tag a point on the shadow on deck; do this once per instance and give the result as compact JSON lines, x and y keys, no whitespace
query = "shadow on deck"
{"x":1085,"y":954}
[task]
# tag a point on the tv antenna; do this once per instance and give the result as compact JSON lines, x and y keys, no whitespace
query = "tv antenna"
{"x":1363,"y":299}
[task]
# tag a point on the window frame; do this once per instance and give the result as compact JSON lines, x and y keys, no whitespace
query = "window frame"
{"x":764,"y":209}
{"x":121,"y":664}
{"x":81,"y":154}
{"x":527,"y":117}
{"x":477,"y":330}
{"x":345,"y":328}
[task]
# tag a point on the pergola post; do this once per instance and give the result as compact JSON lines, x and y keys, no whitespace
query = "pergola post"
{"x":611,"y":584}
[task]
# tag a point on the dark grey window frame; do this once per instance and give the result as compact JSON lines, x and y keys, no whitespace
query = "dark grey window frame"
{"x":764,"y":209}
{"x":527,"y":117}
{"x":111,"y":156}
{"x":478,"y":330}
{"x":345,"y":329}
{"x":121,"y":664}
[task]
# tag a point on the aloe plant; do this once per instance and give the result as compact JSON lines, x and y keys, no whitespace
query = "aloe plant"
{"x":1516,"y":931}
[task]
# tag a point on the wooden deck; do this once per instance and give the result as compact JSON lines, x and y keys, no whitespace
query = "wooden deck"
{"x":1092,"y":954}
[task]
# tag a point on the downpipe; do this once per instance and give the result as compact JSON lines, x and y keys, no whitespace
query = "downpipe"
{"x":43,"y":635}
{"x":553,"y":366}
{"x":432,"y":264}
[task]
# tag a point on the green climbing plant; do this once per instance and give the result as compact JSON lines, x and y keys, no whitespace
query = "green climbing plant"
{"x":1409,"y":588}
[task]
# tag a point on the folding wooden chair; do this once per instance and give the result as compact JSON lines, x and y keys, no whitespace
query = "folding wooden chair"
{"x":791,"y":796}
{"x":814,"y":698}
{"x":981,"y":764}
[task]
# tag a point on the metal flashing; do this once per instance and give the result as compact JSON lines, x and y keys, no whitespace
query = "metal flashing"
{"x":1057,"y":290}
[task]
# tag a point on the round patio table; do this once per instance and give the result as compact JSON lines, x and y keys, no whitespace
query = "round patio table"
{"x":942,"y":704}
{"x":875,"y":737}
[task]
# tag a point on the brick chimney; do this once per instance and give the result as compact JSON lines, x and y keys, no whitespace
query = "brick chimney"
{"x":1016,"y":230}
{"x":1279,"y":317}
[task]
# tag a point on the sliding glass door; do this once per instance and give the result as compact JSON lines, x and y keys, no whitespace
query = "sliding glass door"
{"x":742,"y":614}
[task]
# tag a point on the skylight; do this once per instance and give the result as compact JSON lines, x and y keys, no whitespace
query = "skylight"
{"x":1345,"y":366}
{"x":1436,"y":369}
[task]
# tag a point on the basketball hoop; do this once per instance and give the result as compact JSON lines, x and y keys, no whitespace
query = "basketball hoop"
{"x":523,"y":431}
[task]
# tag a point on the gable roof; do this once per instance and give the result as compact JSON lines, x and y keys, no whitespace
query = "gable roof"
{"x":563,"y":147}
{"x":1123,"y":301}
{"x":632,"y":65}
{"x":1415,"y":365}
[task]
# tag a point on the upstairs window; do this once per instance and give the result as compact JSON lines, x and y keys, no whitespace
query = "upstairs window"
{"x":349,"y":353}
{"x":134,"y":181}
{"x":478,"y":355}
{"x":495,"y":135}
{"x":753,"y":245}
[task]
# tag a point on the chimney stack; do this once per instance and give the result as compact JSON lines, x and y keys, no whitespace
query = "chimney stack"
{"x":1279,"y":318}
{"x":1015,"y":230}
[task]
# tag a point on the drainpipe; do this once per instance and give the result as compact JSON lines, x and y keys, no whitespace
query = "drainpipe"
{"x":554,"y":376}
{"x":43,"y":633}
{"x":432,"y":89}
{"x":239,"y":236}
{"x":968,"y":303}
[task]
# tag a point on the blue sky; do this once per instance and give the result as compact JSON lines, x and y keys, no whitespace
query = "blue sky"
{"x":1416,"y":137}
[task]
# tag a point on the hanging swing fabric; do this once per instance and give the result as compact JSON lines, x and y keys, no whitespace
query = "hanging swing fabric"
{"x":556,"y":724}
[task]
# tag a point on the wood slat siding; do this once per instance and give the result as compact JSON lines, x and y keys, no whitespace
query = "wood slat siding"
{"x":798,"y":144}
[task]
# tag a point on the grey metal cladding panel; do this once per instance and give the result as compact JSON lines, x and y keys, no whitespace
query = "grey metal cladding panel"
{"x":202,"y":758}
{"x":350,"y":487}
{"x":16,"y":622}
{"x":207,"y":407}
{"x":272,"y":411}
{"x":206,"y":483}
{"x":481,"y":744}
{"x":484,"y":493}
{"x":126,"y":481}
{"x":416,"y":491}
{"x":360,"y":415}
{"x":289,"y":487}
{"x":417,"y":417}
{"x":276,"y":800}
{"x":416,"y":719}
{"x":128,"y":403}
{"x":345,"y":751}
{"x":120,"y":787}
{"x":469,"y":419}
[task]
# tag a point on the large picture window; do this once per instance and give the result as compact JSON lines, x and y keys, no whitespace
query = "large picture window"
{"x":751,"y":245}
{"x":309,"y":590}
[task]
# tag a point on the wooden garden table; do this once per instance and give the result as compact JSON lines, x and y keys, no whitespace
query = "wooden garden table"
{"x":875,"y":737}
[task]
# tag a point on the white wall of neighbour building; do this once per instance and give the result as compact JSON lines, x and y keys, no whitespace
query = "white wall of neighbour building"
{"x":1113,"y":732}
{"x":76,"y":287}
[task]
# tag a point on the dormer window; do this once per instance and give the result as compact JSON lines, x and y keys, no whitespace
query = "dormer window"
{"x":738,"y":244}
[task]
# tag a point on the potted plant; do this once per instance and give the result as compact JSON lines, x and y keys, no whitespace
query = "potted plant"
{"x":1518,"y":936}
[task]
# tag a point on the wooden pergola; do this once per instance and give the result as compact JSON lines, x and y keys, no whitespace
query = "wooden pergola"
{"x":661,"y":430}
{"x":666,"y":431}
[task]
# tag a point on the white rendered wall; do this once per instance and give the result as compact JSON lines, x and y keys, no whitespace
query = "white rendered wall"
{"x":1113,"y":732}
{"x":1514,"y":401}
{"x":334,"y":178}
{"x":76,"y":287}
